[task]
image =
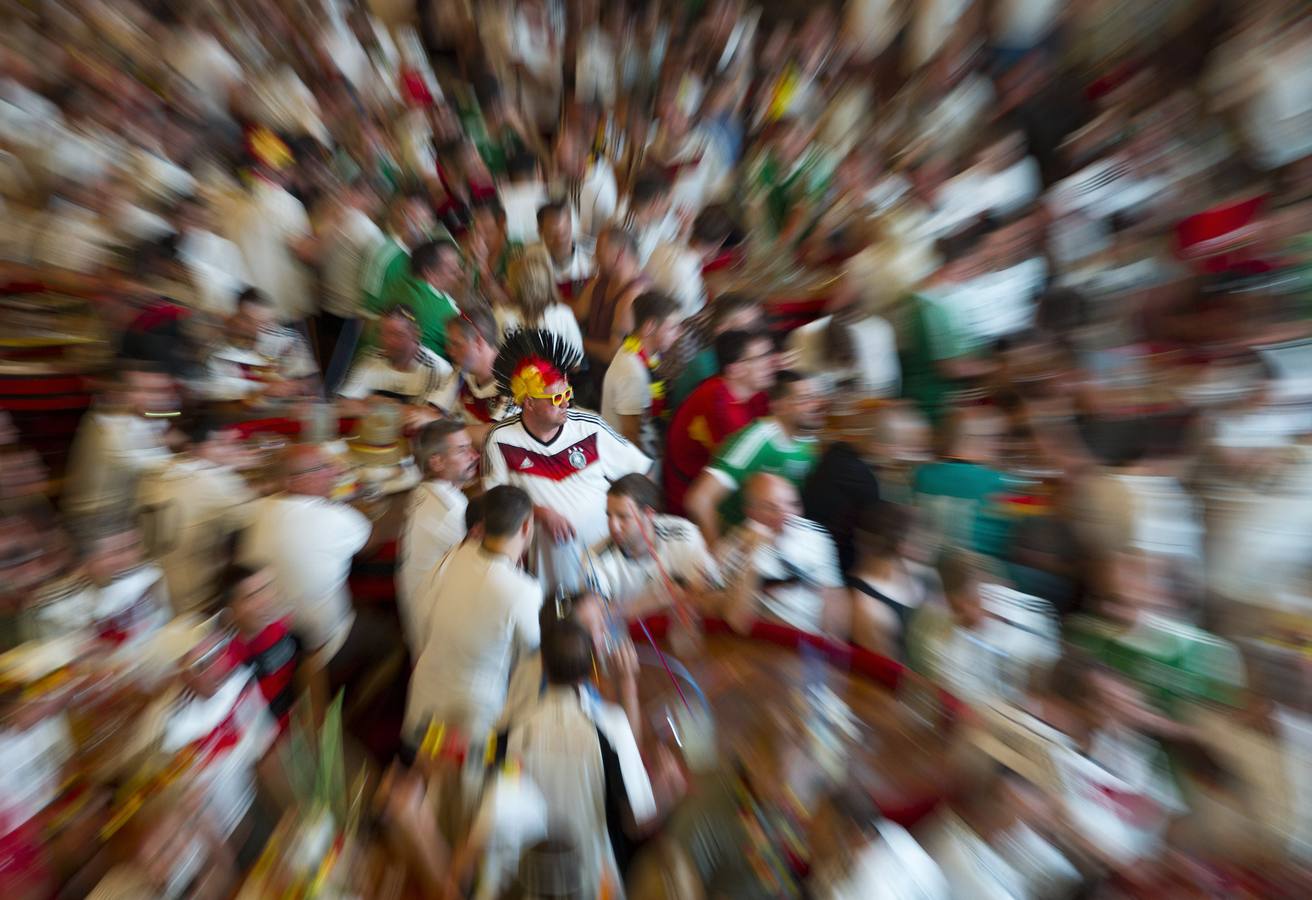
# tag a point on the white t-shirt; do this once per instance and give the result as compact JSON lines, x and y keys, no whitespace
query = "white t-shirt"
{"x":217,"y":269}
{"x":193,"y":507}
{"x":474,"y":615}
{"x":577,"y":267}
{"x":309,"y":543}
{"x":801,"y":562}
{"x":676,"y":269}
{"x":893,"y":866}
{"x":353,"y":240}
{"x":31,"y":764}
{"x":434,"y":525}
{"x":232,"y":372}
{"x":635,"y":584}
{"x":559,"y":750}
{"x":204,"y":64}
{"x":231,"y":731}
{"x":521,"y":201}
{"x":598,"y":198}
{"x":263,"y":223}
{"x":557,"y":318}
{"x":876,"y":367}
{"x":373,"y":373}
{"x":110,"y":453}
{"x":569,"y":474}
{"x":626,"y":391}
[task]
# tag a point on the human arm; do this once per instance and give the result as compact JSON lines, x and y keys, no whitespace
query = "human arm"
{"x":702,"y":503}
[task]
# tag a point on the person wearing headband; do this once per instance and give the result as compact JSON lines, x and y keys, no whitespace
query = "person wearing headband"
{"x":564,"y":458}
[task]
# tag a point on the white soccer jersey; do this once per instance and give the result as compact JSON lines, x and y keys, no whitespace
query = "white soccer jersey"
{"x":569,"y":474}
{"x":794,"y":570}
{"x":461,"y":394}
{"x":375,"y":374}
{"x":635,"y":584}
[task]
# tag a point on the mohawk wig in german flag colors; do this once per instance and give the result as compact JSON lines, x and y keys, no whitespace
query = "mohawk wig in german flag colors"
{"x":531,"y":360}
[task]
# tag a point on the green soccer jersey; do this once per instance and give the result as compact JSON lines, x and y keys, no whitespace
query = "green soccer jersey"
{"x":964,"y":502}
{"x":760,"y":447}
{"x":1171,"y":661}
{"x":383,"y":273}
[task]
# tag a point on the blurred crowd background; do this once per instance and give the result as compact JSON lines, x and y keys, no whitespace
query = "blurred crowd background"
{"x":961,"y":348}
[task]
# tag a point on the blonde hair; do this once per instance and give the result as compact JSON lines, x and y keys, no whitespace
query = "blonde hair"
{"x":532,"y":284}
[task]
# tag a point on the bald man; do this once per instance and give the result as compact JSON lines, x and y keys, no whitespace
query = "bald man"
{"x":779,"y":567}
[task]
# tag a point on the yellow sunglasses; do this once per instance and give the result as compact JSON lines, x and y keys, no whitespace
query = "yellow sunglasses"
{"x":556,"y":399}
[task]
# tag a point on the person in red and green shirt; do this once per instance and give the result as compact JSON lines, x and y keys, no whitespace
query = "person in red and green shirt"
{"x":722,"y":405}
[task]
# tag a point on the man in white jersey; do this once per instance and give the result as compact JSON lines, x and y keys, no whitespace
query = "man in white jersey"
{"x":565,"y":459}
{"x":477,"y":614}
{"x":400,"y":369}
{"x":470,"y":392}
{"x":631,"y":565}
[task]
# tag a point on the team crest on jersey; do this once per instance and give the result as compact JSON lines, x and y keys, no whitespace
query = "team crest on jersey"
{"x":576,"y":458}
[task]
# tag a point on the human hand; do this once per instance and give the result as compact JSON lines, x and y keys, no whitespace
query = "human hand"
{"x":554,"y":524}
{"x":417,"y":417}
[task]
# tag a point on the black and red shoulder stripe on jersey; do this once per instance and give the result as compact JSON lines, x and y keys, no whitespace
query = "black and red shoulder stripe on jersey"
{"x":273,"y":655}
{"x":556,"y":466}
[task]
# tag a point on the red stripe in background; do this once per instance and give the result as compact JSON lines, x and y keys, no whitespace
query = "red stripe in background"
{"x":553,"y":467}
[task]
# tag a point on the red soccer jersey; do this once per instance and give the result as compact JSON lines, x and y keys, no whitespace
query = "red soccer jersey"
{"x":709,"y":415}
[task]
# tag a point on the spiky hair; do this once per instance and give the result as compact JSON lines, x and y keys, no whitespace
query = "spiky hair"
{"x":527,"y":347}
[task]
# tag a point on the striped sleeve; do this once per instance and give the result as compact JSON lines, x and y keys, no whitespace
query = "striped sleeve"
{"x":737,"y":458}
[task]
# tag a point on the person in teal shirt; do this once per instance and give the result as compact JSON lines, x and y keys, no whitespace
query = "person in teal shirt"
{"x":962,"y":493}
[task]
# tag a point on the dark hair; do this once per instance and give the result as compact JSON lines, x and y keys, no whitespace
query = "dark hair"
{"x":401,"y":311}
{"x":553,"y":613}
{"x":432,"y":439}
{"x":783,"y":384}
{"x":506,"y":509}
{"x":653,"y":306}
{"x":475,"y":511}
{"x":957,"y":568}
{"x":425,"y":256}
{"x":731,"y":346}
{"x":622,"y":236}
{"x":638,"y":488}
{"x":566,"y":653}
{"x":521,"y":165}
{"x":233,"y":577}
{"x":489,"y":203}
{"x":730,"y":304}
{"x":649,"y":188}
{"x":713,"y":225}
{"x":552,"y":208}
{"x":880,"y":527}
{"x":254,"y":297}
{"x":200,"y":427}
{"x":478,"y":319}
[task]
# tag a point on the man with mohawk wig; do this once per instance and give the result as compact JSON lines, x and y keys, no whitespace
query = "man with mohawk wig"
{"x":564,"y":458}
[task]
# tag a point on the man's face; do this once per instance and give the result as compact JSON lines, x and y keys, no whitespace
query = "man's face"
{"x":245,"y":325}
{"x":254,"y":607}
{"x":541,"y":414}
{"x":803,"y":408}
{"x":625,"y":520}
{"x":458,"y":460}
{"x":150,"y":393}
{"x":413,"y":222}
{"x":312,"y":473}
{"x":399,"y":338}
{"x":557,"y":233}
{"x":756,"y":368}
{"x":446,"y":273}
{"x":772,"y":505}
{"x":113,"y":555}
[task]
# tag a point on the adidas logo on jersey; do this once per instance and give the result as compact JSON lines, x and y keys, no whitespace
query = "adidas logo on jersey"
{"x":525,"y":463}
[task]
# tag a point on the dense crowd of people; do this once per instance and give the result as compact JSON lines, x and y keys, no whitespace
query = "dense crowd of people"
{"x":967,"y":336}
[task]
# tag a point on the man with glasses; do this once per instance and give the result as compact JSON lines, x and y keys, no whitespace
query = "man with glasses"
{"x":565,"y":459}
